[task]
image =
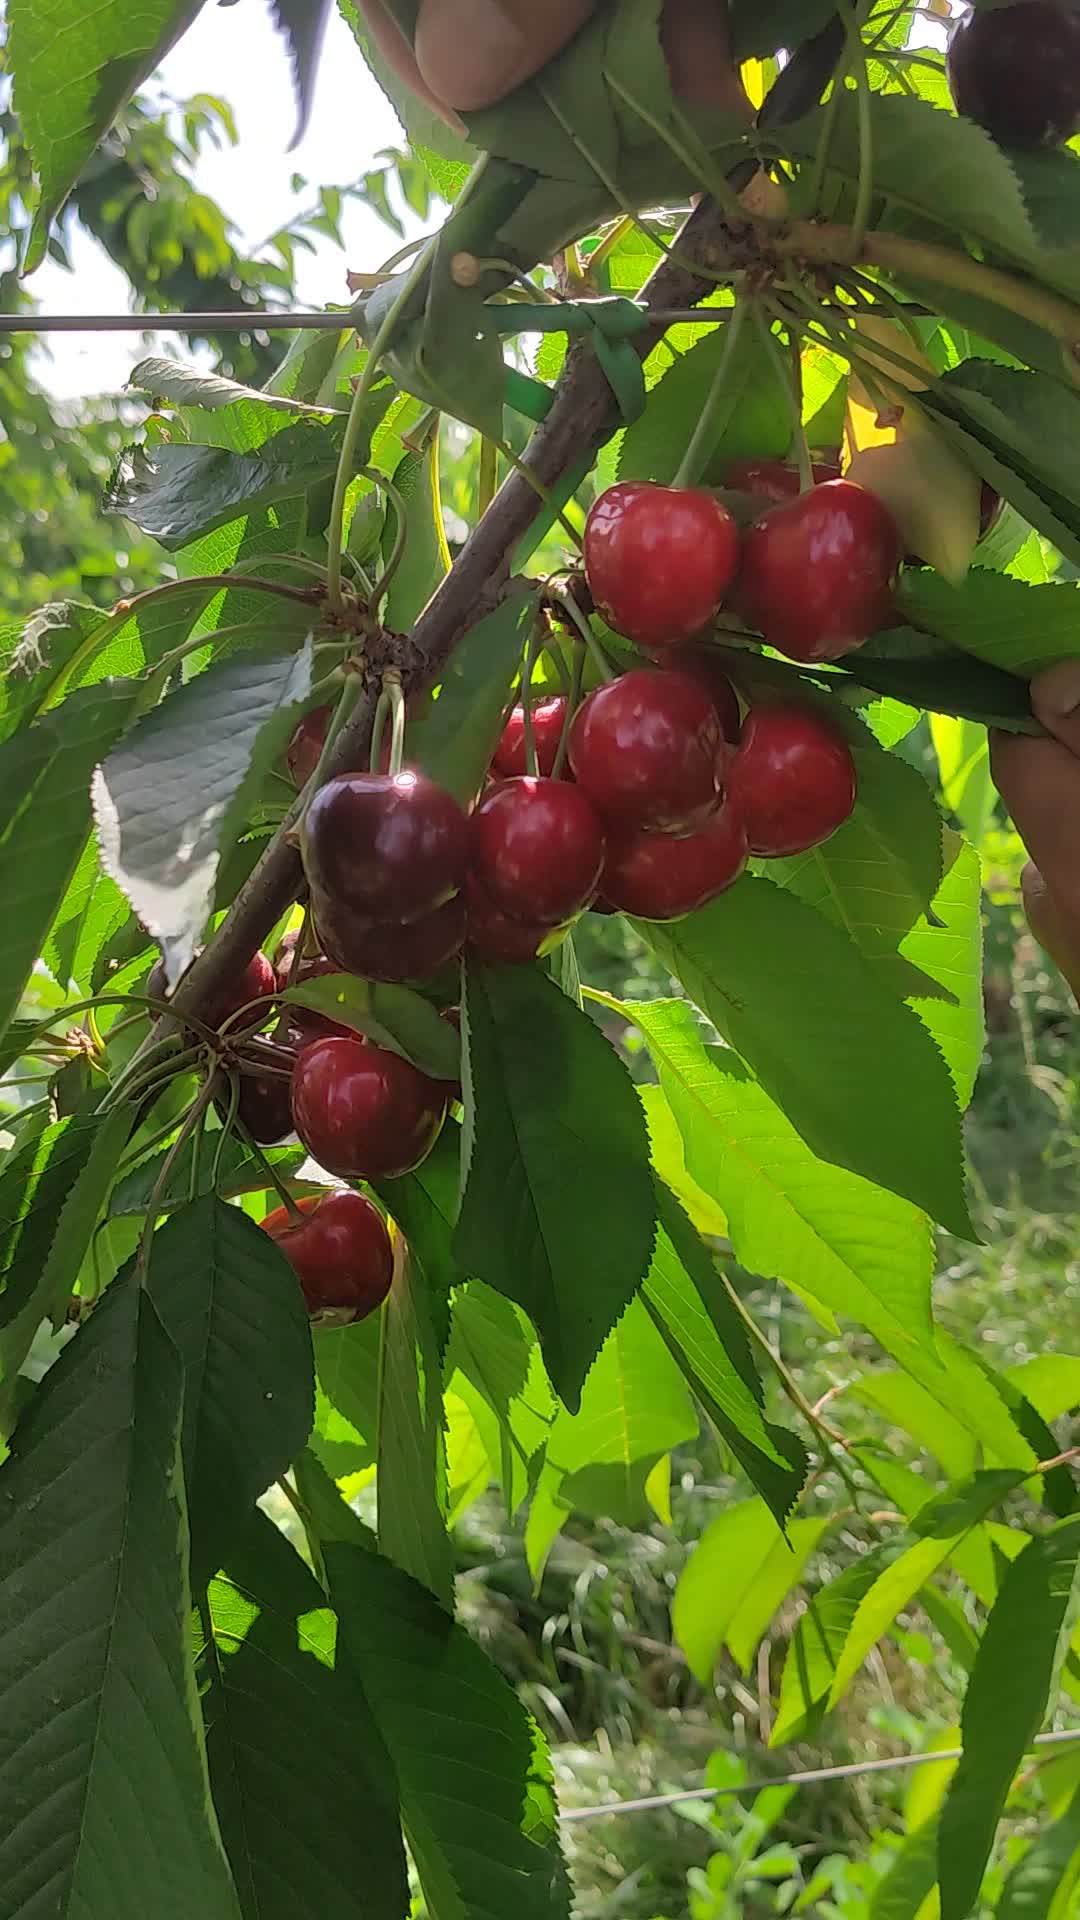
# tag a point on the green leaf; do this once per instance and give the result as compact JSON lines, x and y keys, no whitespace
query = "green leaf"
{"x":182,"y":385}
{"x":230,"y":1301}
{"x":45,"y":819}
{"x":347,"y":1371}
{"x":239,"y":1172}
{"x":426,"y":557}
{"x":798,"y":1001}
{"x":302,"y":1786}
{"x":963,"y":1506}
{"x":71,"y":75}
{"x":412,"y":1456}
{"x":179,"y":493}
{"x":1044,"y":1879}
{"x":736,"y":1579}
{"x":556,"y":1159}
{"x":910,"y":666}
{"x":942,"y":169}
{"x":951,"y":952}
{"x":891,"y":1592}
{"x":1016,"y":627}
{"x":327,"y":1515}
{"x":815,"y":1648}
{"x":99,"y":1705}
{"x":425,"y":1205}
{"x":472,"y":1770}
{"x":167,"y":800}
{"x":1017,"y":429}
{"x":57,"y":1227}
{"x":690,"y":1308}
{"x":751,"y":415}
{"x":634,"y":1409}
{"x":493,"y":1348}
{"x":859,"y":1250}
{"x":899,"y":1895}
{"x":761,"y":26}
{"x":392,"y":1017}
{"x":1004,"y":1707}
{"x":454,"y":732}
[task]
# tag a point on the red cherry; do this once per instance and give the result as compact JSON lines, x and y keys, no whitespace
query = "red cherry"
{"x":311,"y":966}
{"x":362,"y":1112}
{"x":658,"y":878}
{"x":775,"y":480}
{"x":699,"y":663}
{"x":263,"y":1107}
{"x":308,"y":740}
{"x":255,"y":982}
{"x":508,"y":758}
{"x":503,"y":942}
{"x":304,"y":750}
{"x":792,"y":780}
{"x":389,"y":847}
{"x":659,"y":560}
{"x":537,"y":849}
{"x":817,"y":573}
{"x":341,"y":1253}
{"x":415,"y":951}
{"x":644,"y":748}
{"x":1016,"y":71}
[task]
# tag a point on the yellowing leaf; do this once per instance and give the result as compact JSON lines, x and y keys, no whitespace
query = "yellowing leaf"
{"x":931,"y":493}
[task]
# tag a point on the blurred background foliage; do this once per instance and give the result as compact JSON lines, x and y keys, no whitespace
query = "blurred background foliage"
{"x":591,"y":1649}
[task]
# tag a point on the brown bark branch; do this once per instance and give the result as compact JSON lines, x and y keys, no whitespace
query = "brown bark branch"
{"x":582,"y":417}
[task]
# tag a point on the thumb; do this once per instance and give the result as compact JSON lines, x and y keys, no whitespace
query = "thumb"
{"x":1055,"y":700}
{"x":472,"y":52}
{"x":1055,"y":930}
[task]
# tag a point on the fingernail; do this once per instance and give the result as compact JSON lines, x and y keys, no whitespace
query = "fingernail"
{"x":1056,"y":693}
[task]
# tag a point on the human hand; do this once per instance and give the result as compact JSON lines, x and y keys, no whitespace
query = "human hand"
{"x":1039,"y":781}
{"x":467,"y":54}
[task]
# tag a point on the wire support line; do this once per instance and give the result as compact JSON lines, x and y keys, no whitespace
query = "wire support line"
{"x":808,"y":1777}
{"x":254,"y":320}
{"x":272,"y":320}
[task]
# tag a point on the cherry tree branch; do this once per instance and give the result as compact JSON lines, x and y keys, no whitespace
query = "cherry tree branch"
{"x":582,"y":417}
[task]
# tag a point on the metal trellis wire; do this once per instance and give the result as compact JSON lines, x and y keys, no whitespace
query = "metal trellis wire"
{"x":808,"y":1777}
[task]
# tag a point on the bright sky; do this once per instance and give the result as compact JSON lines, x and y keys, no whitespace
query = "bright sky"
{"x":235,"y":51}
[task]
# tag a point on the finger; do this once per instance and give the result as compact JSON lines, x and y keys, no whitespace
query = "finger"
{"x":697,"y":47}
{"x":1059,"y":937}
{"x":396,"y":50}
{"x":1055,"y":700}
{"x":472,"y":52}
{"x":1040,"y":786}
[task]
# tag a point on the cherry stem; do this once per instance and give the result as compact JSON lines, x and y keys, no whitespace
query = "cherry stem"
{"x":857,"y":68}
{"x":227,"y":1125}
{"x":396,"y":699}
{"x":822,"y":244}
{"x":532,"y":765}
{"x":573,"y":701}
{"x":253,"y":583}
{"x":570,"y":607}
{"x":279,"y":1185}
{"x":378,"y":728}
{"x":700,"y":444}
{"x":802,"y":450}
{"x":192,"y":1120}
{"x":487,"y":482}
{"x":401,"y":531}
{"x":354,"y":425}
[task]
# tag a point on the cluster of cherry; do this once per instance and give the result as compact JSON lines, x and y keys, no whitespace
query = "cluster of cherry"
{"x":648,"y":799}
